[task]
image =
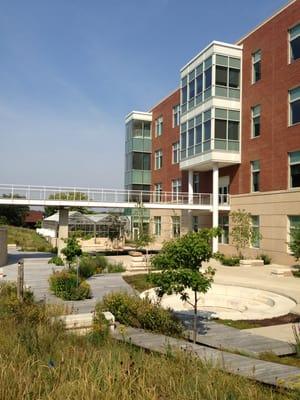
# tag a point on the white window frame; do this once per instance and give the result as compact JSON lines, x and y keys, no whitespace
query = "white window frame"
{"x":158,"y":192}
{"x":157,"y":225}
{"x":159,"y":126}
{"x":290,"y":40}
{"x":222,"y":225}
{"x":290,"y":105}
{"x":175,"y":153}
{"x":158,"y":159}
{"x":253,"y":170}
{"x":289,"y":169}
{"x":176,"y":228}
{"x":255,"y":112}
{"x":176,"y":189}
{"x":255,"y":226}
{"x":253,"y":62}
{"x":176,"y":116}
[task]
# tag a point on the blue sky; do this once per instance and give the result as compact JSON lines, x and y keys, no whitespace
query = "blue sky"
{"x":70,"y":70}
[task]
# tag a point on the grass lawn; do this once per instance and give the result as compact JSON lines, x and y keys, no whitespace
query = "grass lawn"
{"x":248,"y":324}
{"x":39,"y":360}
{"x":138,"y":282}
{"x":27,"y":239}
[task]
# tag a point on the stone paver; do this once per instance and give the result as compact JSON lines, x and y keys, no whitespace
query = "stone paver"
{"x":281,"y":332}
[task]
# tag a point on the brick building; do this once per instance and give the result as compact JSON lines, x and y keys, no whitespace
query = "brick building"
{"x":239,"y":135}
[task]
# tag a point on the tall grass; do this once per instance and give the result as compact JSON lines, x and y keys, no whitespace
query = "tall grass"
{"x":39,"y":360}
{"x":27,"y":239}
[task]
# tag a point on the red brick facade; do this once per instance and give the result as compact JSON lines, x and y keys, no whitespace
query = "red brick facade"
{"x":170,"y":135}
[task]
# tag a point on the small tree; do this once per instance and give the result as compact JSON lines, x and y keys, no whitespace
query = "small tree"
{"x":143,"y":238}
{"x":242,"y":232}
{"x":72,"y":250}
{"x":180,"y":261}
{"x":294,"y":244}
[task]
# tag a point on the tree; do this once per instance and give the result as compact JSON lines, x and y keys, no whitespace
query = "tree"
{"x":242,"y":232}
{"x":49,"y":210}
{"x":294,"y":244}
{"x":13,"y":214}
{"x":180,"y":261}
{"x":143,"y":238}
{"x":72,"y":250}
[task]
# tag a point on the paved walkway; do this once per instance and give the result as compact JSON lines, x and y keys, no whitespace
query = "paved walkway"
{"x":281,"y":332}
{"x":261,"y":371}
{"x":37,"y":272}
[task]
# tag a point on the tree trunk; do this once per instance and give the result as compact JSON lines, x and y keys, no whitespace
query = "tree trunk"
{"x":195,"y":317}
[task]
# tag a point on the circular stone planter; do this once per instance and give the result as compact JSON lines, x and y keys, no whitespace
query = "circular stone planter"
{"x":231,"y":302}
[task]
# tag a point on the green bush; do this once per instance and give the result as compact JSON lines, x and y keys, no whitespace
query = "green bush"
{"x":114,"y":268}
{"x":230,"y":261}
{"x":58,"y":261}
{"x":140,"y":313}
{"x":64,"y":285}
{"x":90,"y":266}
{"x":266,"y":259}
{"x":218,"y":256}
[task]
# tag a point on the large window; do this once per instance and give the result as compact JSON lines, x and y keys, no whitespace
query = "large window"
{"x":227,"y":76}
{"x":159,"y":126}
{"x":294,"y":99}
{"x":141,"y":161}
{"x":294,"y":222}
{"x":158,"y":192}
{"x":175,"y":153}
{"x":224,"y":225}
{"x":141,"y":129}
{"x":195,"y":223}
{"x":255,"y":175}
{"x":256,"y":231}
{"x":176,"y":116}
{"x":175,"y":226}
{"x":176,"y":189}
{"x":227,"y":128}
{"x":255,"y":129}
{"x":183,"y":141}
{"x":294,"y":161}
{"x":158,"y":159}
{"x":256,"y":66}
{"x":294,"y":34}
{"x":157,"y":226}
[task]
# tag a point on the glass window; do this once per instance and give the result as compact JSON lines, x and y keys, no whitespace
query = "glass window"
{"x":255,"y":172}
{"x":294,"y":222}
{"x":176,"y":226}
{"x":158,"y":191}
{"x":198,"y":134}
{"x":175,"y":153}
{"x":294,"y":160}
{"x":176,"y":116}
{"x":141,"y":161}
{"x":137,"y":130}
{"x":157,"y":226}
{"x":195,"y":223}
{"x":184,"y":95}
{"x":255,"y":231}
{"x":255,"y":129}
{"x":234,"y":78}
{"x":295,"y":42}
{"x":176,"y":188}
{"x":199,"y":84}
{"x":221,"y":76}
{"x":183,"y":140}
{"x":224,"y":225}
{"x":233,"y":130}
{"x":191,"y":137}
{"x":207,"y":130}
{"x":294,"y":98}
{"x":192,"y":89}
{"x":256,"y":66}
{"x":207,"y":75}
{"x":159,"y":126}
{"x":220,"y":129}
{"x":196,"y":183}
{"x":147,"y":129}
{"x":158,"y":159}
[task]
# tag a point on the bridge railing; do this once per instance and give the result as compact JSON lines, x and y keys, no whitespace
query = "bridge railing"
{"x":95,"y":195}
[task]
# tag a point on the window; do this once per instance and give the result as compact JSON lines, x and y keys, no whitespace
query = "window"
{"x":175,"y":153}
{"x":157,"y":226}
{"x":255,"y":130}
{"x":294,"y":222}
{"x":158,"y":192}
{"x":256,"y":66}
{"x":175,"y":226}
{"x":196,"y":183}
{"x":294,"y":161}
{"x":141,"y":161}
{"x":176,"y":116}
{"x":227,"y":129}
{"x":159,"y":126}
{"x":294,"y":99}
{"x":176,"y":189}
{"x":195,"y":223}
{"x":255,"y":231}
{"x":224,"y":225}
{"x":227,"y":77}
{"x":294,"y":34}
{"x":255,"y":172}
{"x":158,"y":159}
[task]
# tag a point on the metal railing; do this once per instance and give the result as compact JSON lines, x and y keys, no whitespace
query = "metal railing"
{"x":17,"y":193}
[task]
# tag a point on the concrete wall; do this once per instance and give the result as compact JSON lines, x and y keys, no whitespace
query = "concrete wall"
{"x":273,"y":208}
{"x":3,"y":246}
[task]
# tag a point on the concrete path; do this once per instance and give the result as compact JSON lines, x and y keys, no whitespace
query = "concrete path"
{"x":37,"y":272}
{"x":261,"y":371}
{"x":282,"y":332}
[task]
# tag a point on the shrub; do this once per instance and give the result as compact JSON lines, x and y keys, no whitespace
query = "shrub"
{"x":64,"y":285}
{"x":114,"y":268}
{"x":140,"y":313}
{"x":58,"y":261}
{"x":90,"y":266}
{"x":231,"y":261}
{"x":266,"y":259}
{"x":218,"y":256}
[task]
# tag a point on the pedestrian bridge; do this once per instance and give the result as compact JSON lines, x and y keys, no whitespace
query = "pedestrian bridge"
{"x":107,"y":198}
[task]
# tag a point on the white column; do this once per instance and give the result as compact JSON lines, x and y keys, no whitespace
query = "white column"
{"x":63,"y":229}
{"x":191,"y":200}
{"x":215,"y":204}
